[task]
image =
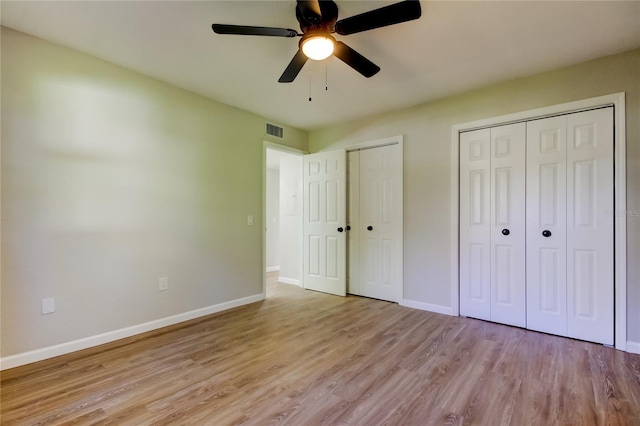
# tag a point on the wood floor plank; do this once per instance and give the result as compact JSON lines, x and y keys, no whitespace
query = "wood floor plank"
{"x":306,"y":358}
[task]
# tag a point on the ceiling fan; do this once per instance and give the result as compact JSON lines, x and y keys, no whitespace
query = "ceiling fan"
{"x":318,"y":20}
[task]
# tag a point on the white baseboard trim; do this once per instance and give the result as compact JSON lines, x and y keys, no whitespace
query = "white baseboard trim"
{"x":17,"y":360}
{"x":438,"y":309}
{"x":289,"y":280}
{"x":633,"y":347}
{"x":273,"y":268}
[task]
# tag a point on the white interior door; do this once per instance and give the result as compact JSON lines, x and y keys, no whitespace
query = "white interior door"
{"x":380,"y":208}
{"x":475,"y":226}
{"x":353,"y":222}
{"x":324,"y":246}
{"x":570,"y":238}
{"x":558,"y":199}
{"x":507,"y":214}
{"x":590,"y":230}
{"x":546,"y":225}
{"x":492,"y":224}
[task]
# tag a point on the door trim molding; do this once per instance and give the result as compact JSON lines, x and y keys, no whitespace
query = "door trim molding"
{"x":393,"y":140}
{"x":617,"y":100}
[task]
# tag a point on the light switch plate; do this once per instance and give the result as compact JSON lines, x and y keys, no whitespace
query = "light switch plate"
{"x":163,"y":283}
{"x":48,"y":305}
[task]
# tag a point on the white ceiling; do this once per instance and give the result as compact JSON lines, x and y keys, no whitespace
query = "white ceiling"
{"x":454,"y":47}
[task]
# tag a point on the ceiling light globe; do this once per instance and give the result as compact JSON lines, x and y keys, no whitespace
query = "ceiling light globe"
{"x":318,"y":47}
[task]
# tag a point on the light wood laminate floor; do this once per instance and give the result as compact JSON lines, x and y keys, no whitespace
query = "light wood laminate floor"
{"x":306,"y":358}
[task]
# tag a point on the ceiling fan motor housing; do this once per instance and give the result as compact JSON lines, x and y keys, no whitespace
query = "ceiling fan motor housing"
{"x":310,"y":21}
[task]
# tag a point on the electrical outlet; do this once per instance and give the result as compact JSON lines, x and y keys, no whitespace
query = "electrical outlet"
{"x":48,"y":305}
{"x":163,"y":283}
{"x":250,"y":220}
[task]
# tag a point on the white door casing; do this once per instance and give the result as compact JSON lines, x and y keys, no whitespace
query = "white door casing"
{"x":324,"y":220}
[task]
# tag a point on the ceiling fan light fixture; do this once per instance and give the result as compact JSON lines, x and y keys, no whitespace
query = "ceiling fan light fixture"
{"x":318,"y":47}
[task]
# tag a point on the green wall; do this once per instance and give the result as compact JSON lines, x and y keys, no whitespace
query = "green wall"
{"x":110,"y":180}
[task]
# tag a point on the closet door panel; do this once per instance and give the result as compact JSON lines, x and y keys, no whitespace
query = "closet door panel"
{"x":370,"y":270}
{"x":507,"y":213}
{"x":546,"y":185}
{"x":353,"y":220}
{"x":536,"y":225}
{"x":380,"y":249}
{"x":475,"y":226}
{"x":589,"y":229}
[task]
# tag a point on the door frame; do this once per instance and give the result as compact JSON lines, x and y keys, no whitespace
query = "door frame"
{"x":617,"y":100}
{"x":393,"y":140}
{"x":277,"y":147}
{"x":378,"y":143}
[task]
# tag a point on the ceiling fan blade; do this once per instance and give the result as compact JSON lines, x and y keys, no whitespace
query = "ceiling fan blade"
{"x":294,"y":67}
{"x":396,"y":13}
{"x":355,"y":60}
{"x":249,"y":30}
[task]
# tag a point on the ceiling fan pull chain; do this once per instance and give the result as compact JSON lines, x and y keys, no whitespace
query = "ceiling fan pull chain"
{"x":326,"y":75}
{"x":309,"y":86}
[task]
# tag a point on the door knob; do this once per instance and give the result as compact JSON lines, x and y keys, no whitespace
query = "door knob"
{"x":348,"y":227}
{"x":340,"y":229}
{"x":505,"y":231}
{"x":369,"y":228}
{"x":546,"y":233}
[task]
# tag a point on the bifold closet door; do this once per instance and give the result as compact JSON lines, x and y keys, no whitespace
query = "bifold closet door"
{"x":590,"y":230}
{"x":546,"y":225}
{"x":353,"y":223}
{"x":569,"y":235}
{"x":508,"y":298}
{"x":475,"y":230}
{"x":492,"y":228}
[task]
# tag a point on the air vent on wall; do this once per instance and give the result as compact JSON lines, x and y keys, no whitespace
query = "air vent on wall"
{"x":274,"y":130}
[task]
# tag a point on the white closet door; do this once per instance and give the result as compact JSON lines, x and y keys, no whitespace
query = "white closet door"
{"x":569,"y":236}
{"x":546,"y":225}
{"x":589,"y":229}
{"x":475,"y":226}
{"x":324,"y":247}
{"x":547,"y":184}
{"x":380,"y":210}
{"x":507,"y":214}
{"x":353,"y":222}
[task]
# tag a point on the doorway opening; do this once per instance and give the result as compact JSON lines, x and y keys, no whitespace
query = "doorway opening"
{"x":282,"y":215}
